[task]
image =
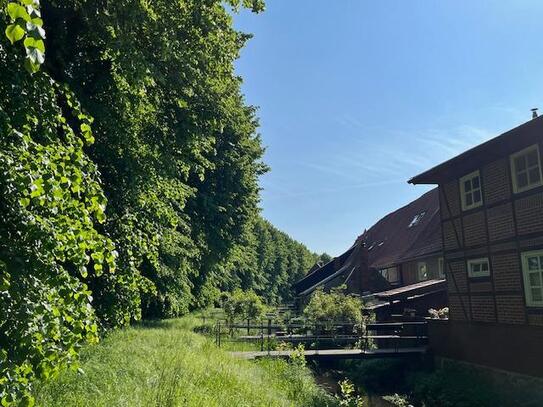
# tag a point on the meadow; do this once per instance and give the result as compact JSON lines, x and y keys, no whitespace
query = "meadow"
{"x":165,"y":363}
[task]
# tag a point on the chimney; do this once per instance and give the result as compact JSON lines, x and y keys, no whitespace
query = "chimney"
{"x":534,"y":112}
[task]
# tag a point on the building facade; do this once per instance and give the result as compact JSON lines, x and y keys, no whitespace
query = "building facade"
{"x":491,"y":206}
{"x":403,"y":249}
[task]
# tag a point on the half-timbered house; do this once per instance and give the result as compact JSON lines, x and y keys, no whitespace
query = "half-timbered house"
{"x":491,"y":206}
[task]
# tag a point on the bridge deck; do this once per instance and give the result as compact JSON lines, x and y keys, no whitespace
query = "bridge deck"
{"x":334,"y":353}
{"x":309,"y":338}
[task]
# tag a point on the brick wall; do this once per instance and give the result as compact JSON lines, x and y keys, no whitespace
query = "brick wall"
{"x":457,"y":280}
{"x":506,"y":272}
{"x":449,"y":198}
{"x":475,"y":229}
{"x":482,"y":308}
{"x":480,"y":287}
{"x":501,"y":224}
{"x":514,"y":348}
{"x":510,"y":309}
{"x":452,"y":234}
{"x":496,"y":182}
{"x":529,"y":212}
{"x":459,"y":307}
{"x":490,"y":231}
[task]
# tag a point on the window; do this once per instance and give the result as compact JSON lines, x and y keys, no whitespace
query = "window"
{"x":390,"y":274}
{"x":416,"y":219}
{"x":526,"y":169}
{"x":441,"y":268}
{"x":422,"y":271}
{"x":532,"y":269}
{"x":470,"y":189}
{"x":478,"y":268}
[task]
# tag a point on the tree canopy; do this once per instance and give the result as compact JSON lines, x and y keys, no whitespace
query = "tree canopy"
{"x":129,"y":166}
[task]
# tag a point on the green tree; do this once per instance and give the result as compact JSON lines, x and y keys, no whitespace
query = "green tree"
{"x":51,"y":214}
{"x":336,"y":307}
{"x":129,"y":165}
{"x":175,"y":143}
{"x":244,"y":305}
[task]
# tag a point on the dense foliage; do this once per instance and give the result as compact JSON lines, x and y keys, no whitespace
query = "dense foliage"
{"x":129,"y":167}
{"x":328,"y":309}
{"x":243,"y":305}
{"x":269,"y":262}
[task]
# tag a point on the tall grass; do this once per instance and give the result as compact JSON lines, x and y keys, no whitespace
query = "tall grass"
{"x":166,"y":364}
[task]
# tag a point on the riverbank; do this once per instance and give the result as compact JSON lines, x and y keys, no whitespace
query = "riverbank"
{"x":167,"y":364}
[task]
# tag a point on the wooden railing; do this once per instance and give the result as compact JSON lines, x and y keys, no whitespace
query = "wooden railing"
{"x":391,"y":335}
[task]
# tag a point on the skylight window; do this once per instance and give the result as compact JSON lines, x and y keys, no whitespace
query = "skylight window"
{"x":416,"y":220}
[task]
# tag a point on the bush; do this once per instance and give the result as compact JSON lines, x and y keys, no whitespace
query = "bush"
{"x":348,"y":396}
{"x":328,"y":309}
{"x":244,"y":305}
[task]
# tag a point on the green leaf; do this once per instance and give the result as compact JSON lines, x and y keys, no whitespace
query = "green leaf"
{"x":100,"y":217}
{"x":98,"y":269}
{"x":30,"y":42}
{"x":27,"y":401}
{"x":16,"y":11}
{"x":4,"y":284}
{"x":14,"y":33}
{"x":31,"y":67}
{"x":24,"y":202}
{"x":35,"y":30}
{"x":35,"y":56}
{"x":37,"y":21}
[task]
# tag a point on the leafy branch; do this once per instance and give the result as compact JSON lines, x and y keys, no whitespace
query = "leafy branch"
{"x":25,"y":24}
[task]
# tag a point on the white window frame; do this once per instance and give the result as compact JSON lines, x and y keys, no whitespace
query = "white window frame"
{"x":512,"y":158}
{"x":526,"y":276}
{"x":441,"y":267}
{"x":420,"y":265}
{"x":463,"y":192}
{"x":479,"y":273}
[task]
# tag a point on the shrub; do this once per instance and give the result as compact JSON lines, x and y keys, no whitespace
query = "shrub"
{"x":244,"y":305}
{"x":348,"y":396}
{"x":297,"y":357}
{"x":328,"y":309}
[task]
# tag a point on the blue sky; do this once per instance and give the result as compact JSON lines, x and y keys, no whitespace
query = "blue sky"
{"x":357,"y":96}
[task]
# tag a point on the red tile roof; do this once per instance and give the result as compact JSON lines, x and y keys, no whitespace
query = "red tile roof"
{"x":392,"y":240}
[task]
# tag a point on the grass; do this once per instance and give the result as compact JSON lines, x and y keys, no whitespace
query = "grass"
{"x":167,"y":364}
